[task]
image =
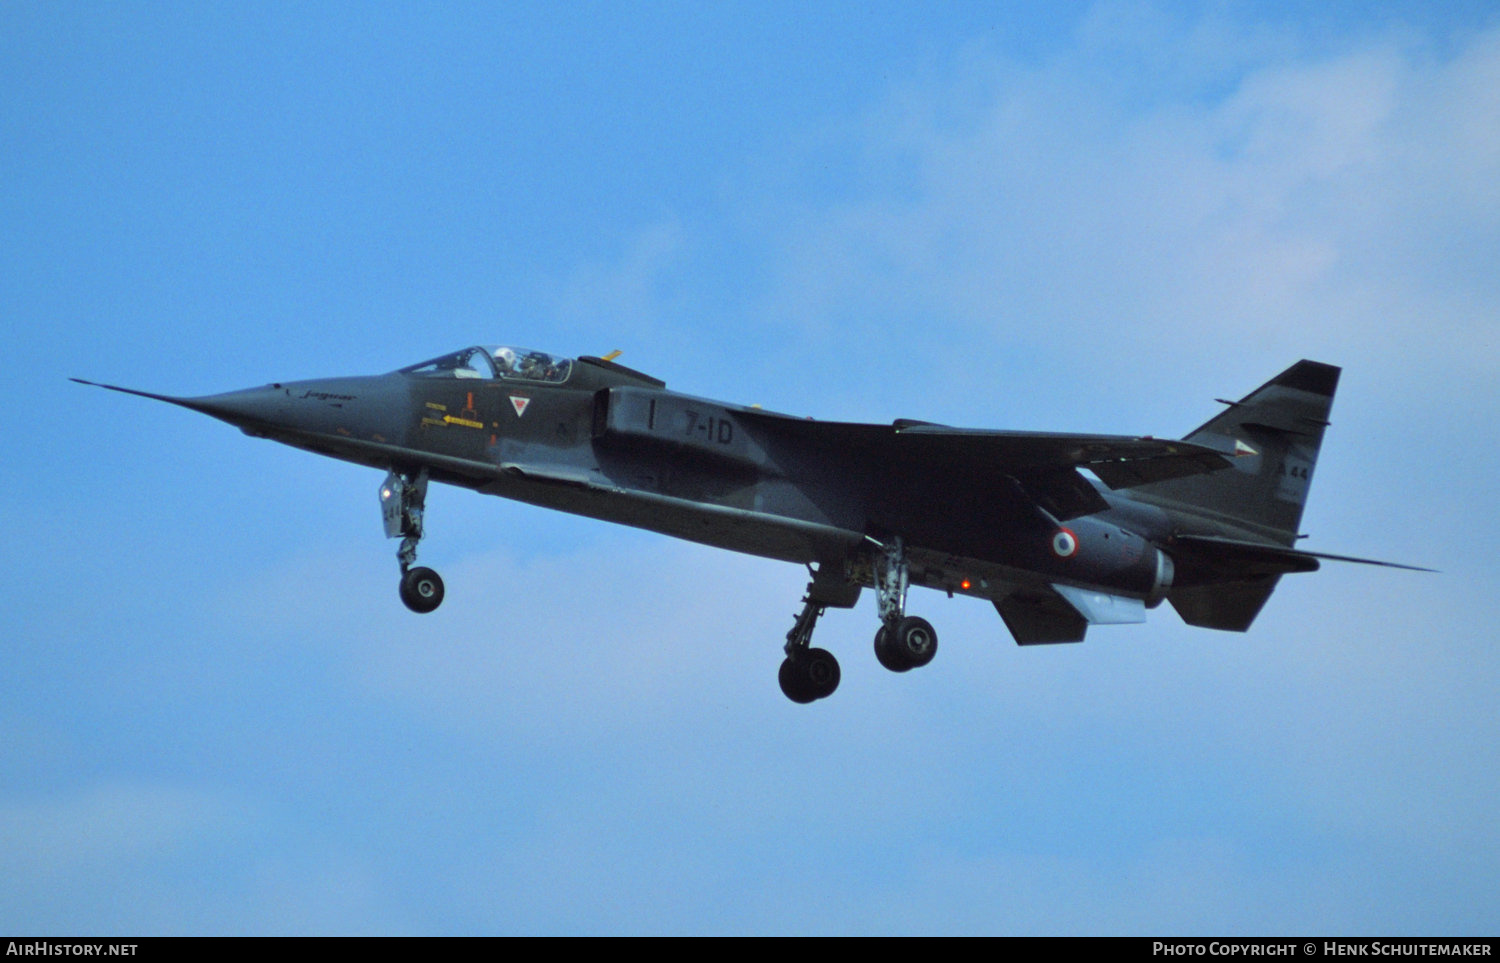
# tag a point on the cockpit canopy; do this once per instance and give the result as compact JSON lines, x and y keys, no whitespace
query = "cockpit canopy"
{"x":496,"y":361}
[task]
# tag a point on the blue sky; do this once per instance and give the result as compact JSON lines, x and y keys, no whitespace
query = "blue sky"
{"x":218,"y":718}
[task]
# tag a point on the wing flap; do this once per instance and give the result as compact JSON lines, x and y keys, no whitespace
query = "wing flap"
{"x":1131,"y":472}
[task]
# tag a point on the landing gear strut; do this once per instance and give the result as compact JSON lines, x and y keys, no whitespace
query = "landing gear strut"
{"x":401,"y":498}
{"x":903,"y":642}
{"x":808,"y":674}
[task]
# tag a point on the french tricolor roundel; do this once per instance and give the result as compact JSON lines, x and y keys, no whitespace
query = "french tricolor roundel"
{"x":519,"y":402}
{"x":1064,"y":543}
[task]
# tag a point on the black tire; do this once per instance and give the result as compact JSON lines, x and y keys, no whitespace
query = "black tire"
{"x":915,"y":641}
{"x":821,"y":670}
{"x":794,"y":682}
{"x":422,"y":590}
{"x":887,"y":653}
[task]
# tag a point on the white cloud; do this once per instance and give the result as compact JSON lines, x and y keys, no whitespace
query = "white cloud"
{"x":1340,"y":203}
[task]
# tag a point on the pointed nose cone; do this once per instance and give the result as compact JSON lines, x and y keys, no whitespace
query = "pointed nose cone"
{"x":301,"y":412}
{"x":251,"y":409}
{"x":348,"y":407}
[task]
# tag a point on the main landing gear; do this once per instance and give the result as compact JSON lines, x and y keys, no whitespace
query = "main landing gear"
{"x":401,"y":498}
{"x":807,"y":674}
{"x":903,"y":642}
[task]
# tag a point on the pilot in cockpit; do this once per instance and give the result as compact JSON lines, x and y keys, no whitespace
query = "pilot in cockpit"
{"x":534,"y":366}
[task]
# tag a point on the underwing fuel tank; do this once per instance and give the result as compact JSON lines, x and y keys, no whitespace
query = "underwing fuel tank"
{"x":636,"y":418}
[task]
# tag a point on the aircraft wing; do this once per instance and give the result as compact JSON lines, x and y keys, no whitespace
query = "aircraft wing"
{"x":1044,"y":465}
{"x":1120,"y":461}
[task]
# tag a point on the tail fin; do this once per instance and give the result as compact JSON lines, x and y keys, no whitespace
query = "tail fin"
{"x":1273,"y":434}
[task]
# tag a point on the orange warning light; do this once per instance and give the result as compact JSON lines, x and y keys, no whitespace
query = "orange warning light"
{"x":965,"y":584}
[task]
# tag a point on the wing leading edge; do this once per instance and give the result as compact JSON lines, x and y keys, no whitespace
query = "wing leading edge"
{"x":1120,"y":461}
{"x":1044,"y":464}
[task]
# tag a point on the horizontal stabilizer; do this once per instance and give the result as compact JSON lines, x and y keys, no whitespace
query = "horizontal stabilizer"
{"x":1230,"y":606}
{"x":1274,"y":557}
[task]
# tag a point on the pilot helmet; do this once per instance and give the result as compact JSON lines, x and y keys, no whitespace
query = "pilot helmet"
{"x":506,"y":358}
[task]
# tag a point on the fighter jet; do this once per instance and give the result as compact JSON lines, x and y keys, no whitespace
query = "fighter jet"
{"x":1057,"y":531}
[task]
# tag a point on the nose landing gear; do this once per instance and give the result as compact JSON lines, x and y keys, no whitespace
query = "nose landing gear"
{"x":402,"y":496}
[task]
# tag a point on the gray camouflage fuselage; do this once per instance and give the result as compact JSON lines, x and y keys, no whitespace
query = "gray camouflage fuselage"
{"x":1208,"y":522}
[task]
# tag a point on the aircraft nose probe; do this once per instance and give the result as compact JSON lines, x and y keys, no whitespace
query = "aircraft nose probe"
{"x":243,"y":409}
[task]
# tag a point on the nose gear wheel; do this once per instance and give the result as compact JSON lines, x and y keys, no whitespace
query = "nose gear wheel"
{"x":421,"y":589}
